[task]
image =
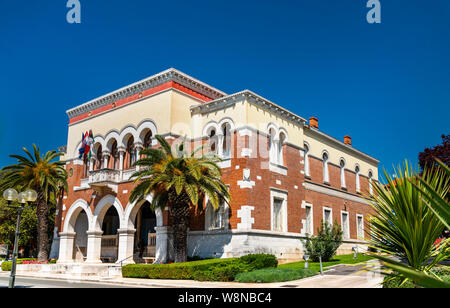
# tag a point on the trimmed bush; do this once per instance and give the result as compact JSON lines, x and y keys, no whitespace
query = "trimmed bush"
{"x":171,"y":271}
{"x":259,"y":261}
{"x":268,"y":275}
{"x":6,"y":265}
{"x":203,"y":270}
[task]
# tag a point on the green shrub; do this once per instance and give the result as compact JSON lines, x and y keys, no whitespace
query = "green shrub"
{"x":171,"y":271}
{"x":258,"y":261}
{"x":6,"y":265}
{"x":268,"y":275}
{"x":325,"y":244}
{"x":394,"y":281}
{"x":203,"y":270}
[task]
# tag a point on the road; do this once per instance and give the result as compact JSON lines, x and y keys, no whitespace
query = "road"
{"x":22,"y":282}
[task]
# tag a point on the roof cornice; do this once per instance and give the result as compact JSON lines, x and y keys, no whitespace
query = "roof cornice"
{"x":342,"y":145}
{"x":251,"y":97}
{"x":150,"y":82}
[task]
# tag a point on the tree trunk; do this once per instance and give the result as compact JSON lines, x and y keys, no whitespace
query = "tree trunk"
{"x":180,"y":211}
{"x":42,"y":225}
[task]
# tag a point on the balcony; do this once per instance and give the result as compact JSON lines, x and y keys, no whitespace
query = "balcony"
{"x":104,"y":179}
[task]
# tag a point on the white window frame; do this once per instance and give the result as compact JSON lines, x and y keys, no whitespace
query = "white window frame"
{"x":280,"y":196}
{"x":309,"y":226}
{"x":343,"y":185}
{"x":358,"y":230}
{"x":331,"y":215}
{"x":370,"y":182}
{"x":326,"y":174}
{"x":209,"y":211}
{"x":306,"y":160}
{"x":346,"y":231}
{"x":357,"y":180}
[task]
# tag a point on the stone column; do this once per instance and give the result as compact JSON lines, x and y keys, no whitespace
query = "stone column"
{"x":105,"y":159}
{"x":66,"y":244}
{"x":122,"y":152}
{"x":94,"y":246}
{"x":138,"y":148}
{"x":91,"y":164}
{"x":126,"y":245}
{"x":164,"y":245}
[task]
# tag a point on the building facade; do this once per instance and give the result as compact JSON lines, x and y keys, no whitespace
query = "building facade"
{"x":285,"y":176}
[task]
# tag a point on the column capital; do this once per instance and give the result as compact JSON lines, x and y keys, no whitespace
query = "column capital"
{"x":67,"y":235}
{"x":94,"y":233}
{"x":126,"y":231}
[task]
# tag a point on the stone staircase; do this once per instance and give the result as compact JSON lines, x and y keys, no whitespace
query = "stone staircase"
{"x":75,"y":270}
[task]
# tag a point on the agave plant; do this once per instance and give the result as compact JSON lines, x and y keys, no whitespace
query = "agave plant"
{"x":405,"y":225}
{"x":47,"y":176}
{"x":178,"y":180}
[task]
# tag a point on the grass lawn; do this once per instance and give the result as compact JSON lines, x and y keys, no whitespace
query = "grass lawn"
{"x":296,"y":270}
{"x":343,"y":259}
{"x":268,"y":275}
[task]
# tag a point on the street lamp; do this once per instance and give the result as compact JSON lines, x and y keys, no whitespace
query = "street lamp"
{"x":11,"y":195}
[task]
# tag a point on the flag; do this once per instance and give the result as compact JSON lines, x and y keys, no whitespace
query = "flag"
{"x":83,"y":145}
{"x":87,"y":140}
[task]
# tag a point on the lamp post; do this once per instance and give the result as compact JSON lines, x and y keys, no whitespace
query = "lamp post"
{"x":11,"y":195}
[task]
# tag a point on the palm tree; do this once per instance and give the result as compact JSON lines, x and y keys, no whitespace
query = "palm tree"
{"x":46,"y":176}
{"x":178,"y":180}
{"x":405,"y":225}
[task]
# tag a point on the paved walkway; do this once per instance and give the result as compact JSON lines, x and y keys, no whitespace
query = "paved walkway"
{"x":363,"y":275}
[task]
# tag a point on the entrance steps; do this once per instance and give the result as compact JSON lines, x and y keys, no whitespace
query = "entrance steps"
{"x":70,"y":270}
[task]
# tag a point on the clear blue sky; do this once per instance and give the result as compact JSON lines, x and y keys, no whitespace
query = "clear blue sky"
{"x":387,"y":85}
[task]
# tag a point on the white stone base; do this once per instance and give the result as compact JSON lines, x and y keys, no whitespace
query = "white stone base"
{"x":236,"y":243}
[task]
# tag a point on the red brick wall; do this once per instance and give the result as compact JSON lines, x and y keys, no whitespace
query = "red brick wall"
{"x":259,"y":195}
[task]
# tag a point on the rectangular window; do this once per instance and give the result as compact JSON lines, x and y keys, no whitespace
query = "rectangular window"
{"x":327,"y":216}
{"x":360,"y":225}
{"x":278,"y":215}
{"x":309,"y":220}
{"x":345,"y":225}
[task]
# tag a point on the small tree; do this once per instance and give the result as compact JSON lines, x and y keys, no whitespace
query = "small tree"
{"x":326,"y":243}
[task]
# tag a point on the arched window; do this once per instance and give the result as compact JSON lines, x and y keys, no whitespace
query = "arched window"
{"x":99,"y":158}
{"x":280,"y":149}
{"x":370,"y":182}
{"x":272,"y":147}
{"x":114,"y":156}
{"x":86,"y":166}
{"x":326,"y":177}
{"x":131,"y":153}
{"x":358,"y":185}
{"x":306,"y":160}
{"x":226,"y":143}
{"x":342,"y":165}
{"x":148,"y":139}
{"x":213,"y":141}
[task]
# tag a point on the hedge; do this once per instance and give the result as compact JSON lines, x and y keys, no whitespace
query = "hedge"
{"x":204,"y":270}
{"x":6,"y":265}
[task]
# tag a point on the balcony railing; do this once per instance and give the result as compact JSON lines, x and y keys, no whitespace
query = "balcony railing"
{"x":104,"y":175}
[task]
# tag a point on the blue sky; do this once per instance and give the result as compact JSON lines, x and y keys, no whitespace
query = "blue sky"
{"x":387,"y":85}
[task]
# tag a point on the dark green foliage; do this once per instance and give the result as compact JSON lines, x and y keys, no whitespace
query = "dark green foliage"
{"x":268,"y":275}
{"x":203,"y":270}
{"x":326,"y":243}
{"x":6,"y":265}
{"x":258,"y":261}
{"x":395,"y":281}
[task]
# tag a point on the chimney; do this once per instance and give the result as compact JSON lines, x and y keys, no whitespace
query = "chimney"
{"x":348,"y":140}
{"x":314,"y":122}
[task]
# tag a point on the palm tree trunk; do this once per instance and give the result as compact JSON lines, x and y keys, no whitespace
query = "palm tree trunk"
{"x":180,"y":222}
{"x":42,"y":226}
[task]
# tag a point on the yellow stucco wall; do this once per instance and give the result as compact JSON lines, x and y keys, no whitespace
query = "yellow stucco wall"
{"x":170,"y":111}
